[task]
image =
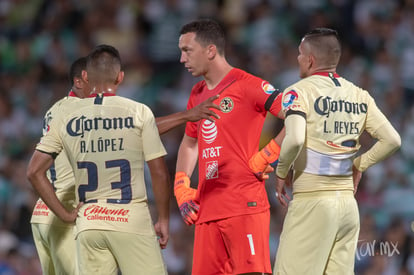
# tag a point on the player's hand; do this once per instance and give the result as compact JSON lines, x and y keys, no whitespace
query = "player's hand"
{"x":70,"y":216}
{"x":162,"y":231}
{"x":281,"y":194}
{"x":185,"y":196}
{"x":289,"y":179}
{"x":356,"y":177}
{"x":264,"y":175}
{"x":189,"y":211}
{"x":261,"y":163}
{"x":203,"y":110}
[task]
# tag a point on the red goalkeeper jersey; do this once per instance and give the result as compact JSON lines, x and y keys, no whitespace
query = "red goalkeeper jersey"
{"x":227,"y":187}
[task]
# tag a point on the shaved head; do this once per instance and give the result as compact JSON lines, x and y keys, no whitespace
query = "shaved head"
{"x":324,"y":44}
{"x":103,"y":65}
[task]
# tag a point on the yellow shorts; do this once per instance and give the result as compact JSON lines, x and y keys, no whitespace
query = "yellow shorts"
{"x":320,"y":234}
{"x":103,"y":252}
{"x":56,"y":248}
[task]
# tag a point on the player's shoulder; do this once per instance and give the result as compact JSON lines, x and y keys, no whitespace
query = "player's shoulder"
{"x":61,"y":102}
{"x":132,"y":105}
{"x":198,"y":87}
{"x":128,"y":102}
{"x":357,"y":91}
{"x":249,"y":81}
{"x":242,"y":75}
{"x":63,"y":105}
{"x":297,"y":86}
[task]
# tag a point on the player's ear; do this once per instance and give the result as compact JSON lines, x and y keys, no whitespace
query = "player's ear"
{"x":85,"y":76}
{"x":120,"y":77}
{"x":77,"y":82}
{"x":311,"y":61}
{"x":211,"y":51}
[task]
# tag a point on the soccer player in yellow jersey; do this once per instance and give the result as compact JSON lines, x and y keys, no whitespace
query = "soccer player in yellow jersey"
{"x":53,"y":238}
{"x":107,"y":138}
{"x":325,"y":116}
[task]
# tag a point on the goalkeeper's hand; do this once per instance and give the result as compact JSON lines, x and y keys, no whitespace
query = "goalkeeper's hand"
{"x":185,"y":196}
{"x":262,"y":162}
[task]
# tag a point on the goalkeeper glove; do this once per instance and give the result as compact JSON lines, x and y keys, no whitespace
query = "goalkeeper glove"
{"x":259,"y":162}
{"x":185,"y":196}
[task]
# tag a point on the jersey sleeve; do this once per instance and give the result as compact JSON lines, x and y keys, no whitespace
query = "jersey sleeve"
{"x":375,"y":118}
{"x":153,"y":147}
{"x":191,"y":127}
{"x":266,"y":97}
{"x":379,"y":127}
{"x":51,"y":142}
{"x":293,"y":102}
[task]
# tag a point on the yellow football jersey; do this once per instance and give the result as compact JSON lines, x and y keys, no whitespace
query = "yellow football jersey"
{"x":60,"y":175}
{"x":107,"y":139}
{"x":337,"y":112}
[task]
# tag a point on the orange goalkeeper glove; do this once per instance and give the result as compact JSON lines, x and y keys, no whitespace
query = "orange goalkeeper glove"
{"x":259,"y":162}
{"x":185,"y":196}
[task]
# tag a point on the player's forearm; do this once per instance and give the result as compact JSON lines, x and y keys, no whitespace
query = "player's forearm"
{"x":279,"y":138}
{"x":161,"y":187}
{"x":166,"y":123}
{"x":388,"y":142}
{"x":45,"y":190}
{"x":36,"y":174}
{"x":161,"y":190}
{"x":293,"y":141}
{"x":187,"y":155}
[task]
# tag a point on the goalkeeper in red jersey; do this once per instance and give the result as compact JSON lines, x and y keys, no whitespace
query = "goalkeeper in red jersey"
{"x":230,"y":206}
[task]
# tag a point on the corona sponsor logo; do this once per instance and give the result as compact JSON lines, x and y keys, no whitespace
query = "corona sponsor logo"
{"x":325,"y":105}
{"x":77,"y":126}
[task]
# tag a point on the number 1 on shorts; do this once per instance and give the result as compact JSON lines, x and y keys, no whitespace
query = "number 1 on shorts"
{"x":251,"y":244}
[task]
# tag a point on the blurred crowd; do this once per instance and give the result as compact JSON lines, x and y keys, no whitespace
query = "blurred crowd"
{"x":39,"y":39}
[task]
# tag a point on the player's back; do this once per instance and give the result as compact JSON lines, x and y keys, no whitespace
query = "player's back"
{"x":336,"y":113}
{"x":107,"y":139}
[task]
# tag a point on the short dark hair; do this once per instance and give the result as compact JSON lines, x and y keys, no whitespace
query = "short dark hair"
{"x":76,"y":69}
{"x":207,"y":32}
{"x":325,"y":44}
{"x":322,"y":32}
{"x":103,"y":64}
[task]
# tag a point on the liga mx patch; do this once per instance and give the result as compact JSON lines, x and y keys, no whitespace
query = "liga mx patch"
{"x":268,"y":88}
{"x":46,"y":122}
{"x":212,"y":170}
{"x":289,"y":98}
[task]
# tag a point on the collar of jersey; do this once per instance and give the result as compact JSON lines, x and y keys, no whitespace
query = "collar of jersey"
{"x":72,"y":93}
{"x":104,"y":94}
{"x":325,"y":74}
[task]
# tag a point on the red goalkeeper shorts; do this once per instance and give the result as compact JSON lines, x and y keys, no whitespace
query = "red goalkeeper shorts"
{"x":233,"y":245}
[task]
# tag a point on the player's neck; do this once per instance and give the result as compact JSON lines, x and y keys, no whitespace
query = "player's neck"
{"x":216,"y":73}
{"x":104,"y":89}
{"x":324,"y":69}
